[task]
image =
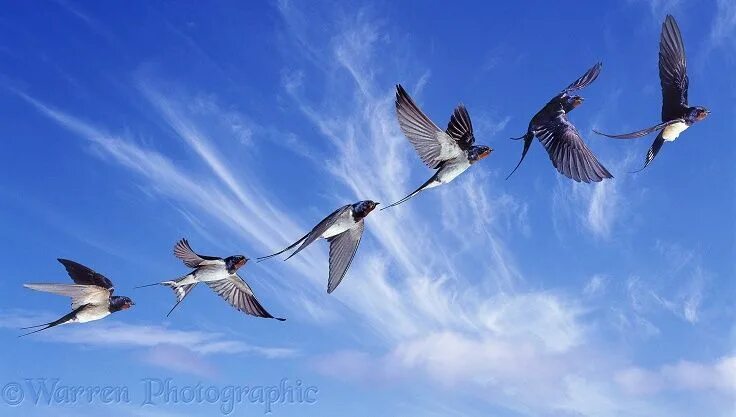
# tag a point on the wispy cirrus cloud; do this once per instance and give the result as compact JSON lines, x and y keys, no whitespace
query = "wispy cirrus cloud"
{"x":723,"y":30}
{"x":435,"y":293}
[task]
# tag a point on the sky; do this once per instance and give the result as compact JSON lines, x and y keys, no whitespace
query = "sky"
{"x":240,"y":125}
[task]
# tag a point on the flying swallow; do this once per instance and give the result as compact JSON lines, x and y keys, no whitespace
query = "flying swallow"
{"x":91,"y":296}
{"x":450,"y":151}
{"x":561,"y":139}
{"x":343,"y":228}
{"x":220,"y":275}
{"x":677,"y":115}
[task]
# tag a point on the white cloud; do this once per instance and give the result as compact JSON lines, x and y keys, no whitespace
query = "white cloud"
{"x":595,"y":286}
{"x":719,"y":376}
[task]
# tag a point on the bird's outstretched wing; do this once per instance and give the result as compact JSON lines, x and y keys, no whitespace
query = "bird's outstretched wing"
{"x":460,"y":128}
{"x":82,"y":275}
{"x":432,"y":144}
{"x":342,"y":252}
{"x":568,"y":152}
{"x":672,"y":70}
{"x":80,"y":294}
{"x":314,"y":234}
{"x":183,"y":251}
{"x":585,"y":80}
{"x":239,"y":294}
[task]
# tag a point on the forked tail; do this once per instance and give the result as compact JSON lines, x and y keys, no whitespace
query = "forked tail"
{"x":417,"y":191}
{"x":528,"y":138}
{"x":292,"y":246}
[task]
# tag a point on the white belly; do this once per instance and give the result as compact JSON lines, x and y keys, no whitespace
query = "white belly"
{"x":92,"y":313}
{"x":672,"y":131}
{"x":452,"y":169}
{"x":207,"y":275}
{"x":342,"y":224}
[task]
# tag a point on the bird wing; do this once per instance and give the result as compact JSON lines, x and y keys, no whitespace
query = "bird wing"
{"x":585,"y":80}
{"x":460,"y":128}
{"x":322,"y":227}
{"x":432,"y":144}
{"x":82,"y":275}
{"x":80,"y":294}
{"x":342,"y":252}
{"x":237,"y":292}
{"x":672,"y":70}
{"x":183,"y":251}
{"x":568,"y":152}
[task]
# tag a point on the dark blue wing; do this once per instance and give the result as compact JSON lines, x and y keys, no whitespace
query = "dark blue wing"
{"x":672,"y":70}
{"x":585,"y":80}
{"x":82,"y":275}
{"x":568,"y":152}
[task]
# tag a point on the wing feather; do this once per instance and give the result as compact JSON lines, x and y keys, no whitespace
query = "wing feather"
{"x":460,"y":128}
{"x":672,"y":70}
{"x":342,"y":251}
{"x":183,"y":251}
{"x":432,"y":144}
{"x":585,"y":80}
{"x":82,"y":275}
{"x":239,"y":295}
{"x":322,"y":227}
{"x":568,"y":153}
{"x":80,"y":294}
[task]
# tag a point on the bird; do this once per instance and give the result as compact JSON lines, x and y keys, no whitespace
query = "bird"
{"x":561,"y":139}
{"x":220,"y":275}
{"x":343,"y":229}
{"x":451,"y":151}
{"x":677,"y":115}
{"x":91,"y":296}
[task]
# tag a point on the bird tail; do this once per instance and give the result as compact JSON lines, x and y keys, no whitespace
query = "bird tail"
{"x":180,"y":291}
{"x":292,"y":246}
{"x":415,"y":192}
{"x":639,"y":133}
{"x":528,"y":138}
{"x":165,"y":283}
{"x":46,"y":326}
{"x":653,"y":151}
{"x":528,"y":135}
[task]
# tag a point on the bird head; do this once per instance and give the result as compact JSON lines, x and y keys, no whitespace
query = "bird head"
{"x":363,"y":208}
{"x":235,"y":262}
{"x":118,"y":303}
{"x":699,"y":113}
{"x":476,"y":153}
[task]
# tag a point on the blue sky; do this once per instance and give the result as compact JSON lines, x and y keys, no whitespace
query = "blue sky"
{"x":128,"y":126}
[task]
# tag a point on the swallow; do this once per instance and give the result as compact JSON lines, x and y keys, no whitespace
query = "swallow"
{"x":451,"y":151}
{"x":561,"y":139}
{"x":220,"y":274}
{"x":677,"y":115}
{"x":343,"y":229}
{"x":91,"y":296}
